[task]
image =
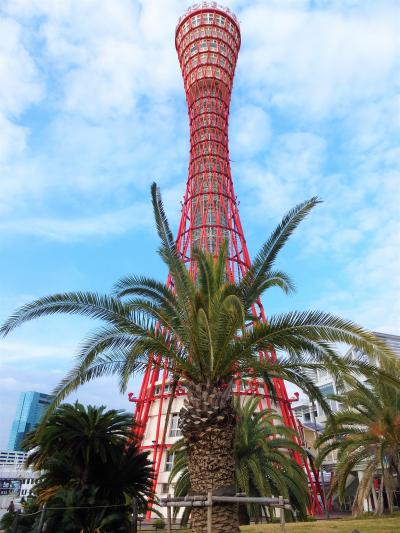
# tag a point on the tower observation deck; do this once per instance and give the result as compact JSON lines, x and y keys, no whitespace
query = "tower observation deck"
{"x":207,"y":41}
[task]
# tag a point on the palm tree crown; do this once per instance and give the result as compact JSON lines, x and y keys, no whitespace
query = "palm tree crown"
{"x":195,"y":323}
{"x":365,"y":434}
{"x":86,"y":459}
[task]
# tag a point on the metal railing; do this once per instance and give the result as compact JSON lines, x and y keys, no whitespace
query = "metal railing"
{"x":210,"y":499}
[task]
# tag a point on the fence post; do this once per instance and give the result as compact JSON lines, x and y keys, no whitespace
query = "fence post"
{"x":169,"y":520}
{"x":282,"y":514}
{"x":209,"y":512}
{"x":134,"y":515}
{"x":41,"y":520}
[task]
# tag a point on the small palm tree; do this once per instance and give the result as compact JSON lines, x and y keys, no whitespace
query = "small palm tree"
{"x":263,"y":465}
{"x":86,"y":457}
{"x":365,"y":433}
{"x":201,"y":327}
{"x":86,"y":432}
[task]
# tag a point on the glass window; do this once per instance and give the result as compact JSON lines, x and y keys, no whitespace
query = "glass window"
{"x":307,"y":417}
{"x":213,"y":45}
{"x":174,"y":430}
{"x":193,"y":49}
{"x":169,"y":461}
{"x":327,"y":389}
{"x":203,"y":45}
{"x":208,"y":18}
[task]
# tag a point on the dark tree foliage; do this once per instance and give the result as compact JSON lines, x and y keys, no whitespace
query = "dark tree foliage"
{"x":91,"y":469}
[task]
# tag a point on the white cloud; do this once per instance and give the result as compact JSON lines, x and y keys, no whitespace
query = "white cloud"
{"x":106,"y":224}
{"x":20,"y":87}
{"x":12,"y":138}
{"x":319,"y":62}
{"x":18,"y":72}
{"x":106,"y":55}
{"x":26,"y":351}
{"x":252,"y":131}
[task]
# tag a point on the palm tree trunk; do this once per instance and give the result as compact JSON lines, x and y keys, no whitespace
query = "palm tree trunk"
{"x":208,"y":426}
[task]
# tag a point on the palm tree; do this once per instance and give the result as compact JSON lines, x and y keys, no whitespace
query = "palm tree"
{"x":263,"y":466}
{"x":83,"y":431}
{"x":195,"y":326}
{"x":365,"y":434}
{"x":87,"y":458}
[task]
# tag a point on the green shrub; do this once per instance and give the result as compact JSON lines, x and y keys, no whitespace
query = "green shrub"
{"x":7,"y":521}
{"x":159,"y":523}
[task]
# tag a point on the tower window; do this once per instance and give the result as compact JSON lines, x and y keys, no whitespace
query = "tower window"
{"x":174,"y":430}
{"x":169,"y":461}
{"x":196,"y":20}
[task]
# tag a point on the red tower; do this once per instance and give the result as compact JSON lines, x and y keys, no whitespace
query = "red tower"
{"x":207,"y":40}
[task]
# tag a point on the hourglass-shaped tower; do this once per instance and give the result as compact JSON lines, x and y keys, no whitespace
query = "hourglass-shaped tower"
{"x":207,"y":41}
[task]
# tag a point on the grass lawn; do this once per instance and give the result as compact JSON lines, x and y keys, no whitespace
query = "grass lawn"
{"x":367,"y":525}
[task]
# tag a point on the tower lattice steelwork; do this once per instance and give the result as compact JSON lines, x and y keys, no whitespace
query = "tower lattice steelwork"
{"x":207,"y":41}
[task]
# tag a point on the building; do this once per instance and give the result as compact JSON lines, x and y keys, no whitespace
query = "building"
{"x":30,"y":410}
{"x":16,"y":480}
{"x":312,"y":419}
{"x":327,"y":385}
{"x":12,"y":458}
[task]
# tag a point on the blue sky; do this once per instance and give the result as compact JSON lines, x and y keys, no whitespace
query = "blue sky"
{"x":92,"y":110}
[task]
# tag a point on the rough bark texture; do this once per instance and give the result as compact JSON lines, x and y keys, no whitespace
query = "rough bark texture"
{"x":208,"y":425}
